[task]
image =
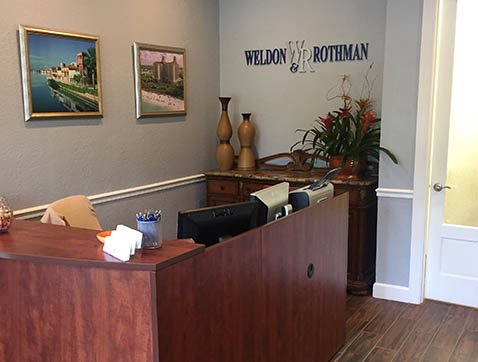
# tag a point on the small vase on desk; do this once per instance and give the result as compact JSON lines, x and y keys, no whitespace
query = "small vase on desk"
{"x":224,"y":150}
{"x":6,"y":215}
{"x":246,"y":133}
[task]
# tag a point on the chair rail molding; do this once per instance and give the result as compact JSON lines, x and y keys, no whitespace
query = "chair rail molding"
{"x":395,"y":193}
{"x":37,"y":211}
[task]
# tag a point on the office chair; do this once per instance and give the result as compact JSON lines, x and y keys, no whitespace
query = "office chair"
{"x":75,"y":211}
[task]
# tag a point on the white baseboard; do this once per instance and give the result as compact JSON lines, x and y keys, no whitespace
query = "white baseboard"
{"x":394,"y":292}
{"x":37,"y":211}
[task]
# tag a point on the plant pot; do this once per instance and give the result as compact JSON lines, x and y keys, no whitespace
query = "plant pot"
{"x":351,"y":169}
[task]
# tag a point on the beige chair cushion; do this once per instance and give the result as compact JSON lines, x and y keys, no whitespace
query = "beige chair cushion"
{"x":75,"y":211}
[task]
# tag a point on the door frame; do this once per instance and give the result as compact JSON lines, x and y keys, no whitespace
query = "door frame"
{"x":423,"y":143}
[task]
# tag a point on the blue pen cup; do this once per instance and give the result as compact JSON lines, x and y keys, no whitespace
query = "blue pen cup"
{"x":152,"y":236}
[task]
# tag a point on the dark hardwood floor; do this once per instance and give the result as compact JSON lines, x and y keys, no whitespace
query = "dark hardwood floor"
{"x":381,"y":330}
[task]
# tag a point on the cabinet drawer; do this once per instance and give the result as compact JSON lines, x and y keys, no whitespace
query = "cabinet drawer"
{"x":358,"y":197}
{"x":222,"y":187}
{"x":222,"y":200}
{"x":250,"y":187}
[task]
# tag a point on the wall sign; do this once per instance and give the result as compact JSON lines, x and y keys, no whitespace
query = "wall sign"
{"x":302,"y":59}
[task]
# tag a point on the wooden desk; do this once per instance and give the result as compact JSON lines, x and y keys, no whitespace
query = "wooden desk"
{"x":246,"y":299}
{"x":63,"y":299}
{"x":236,"y":186}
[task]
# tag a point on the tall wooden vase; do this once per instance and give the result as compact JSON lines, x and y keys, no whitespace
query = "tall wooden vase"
{"x":224,"y":150}
{"x":246,"y":133}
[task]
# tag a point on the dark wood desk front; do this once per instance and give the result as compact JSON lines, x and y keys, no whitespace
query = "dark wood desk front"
{"x":235,"y":186}
{"x":246,"y":299}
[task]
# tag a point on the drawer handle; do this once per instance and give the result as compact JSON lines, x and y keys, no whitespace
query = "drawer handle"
{"x":222,"y":188}
{"x":310,"y":270}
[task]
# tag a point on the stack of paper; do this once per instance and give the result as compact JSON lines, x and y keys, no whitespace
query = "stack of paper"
{"x":123,"y":242}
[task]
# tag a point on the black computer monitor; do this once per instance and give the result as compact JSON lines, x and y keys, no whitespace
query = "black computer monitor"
{"x":210,"y":225}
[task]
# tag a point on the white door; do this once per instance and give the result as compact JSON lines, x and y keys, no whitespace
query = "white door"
{"x":452,"y":257}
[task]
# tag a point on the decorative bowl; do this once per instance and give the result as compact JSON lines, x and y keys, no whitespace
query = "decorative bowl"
{"x":103,"y":235}
{"x":6,"y":215}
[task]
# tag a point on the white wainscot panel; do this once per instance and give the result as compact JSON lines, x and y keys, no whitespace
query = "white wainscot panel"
{"x":459,"y":258}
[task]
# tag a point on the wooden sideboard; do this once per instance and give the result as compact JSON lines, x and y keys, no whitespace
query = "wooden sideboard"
{"x":236,"y":186}
{"x":251,"y":298}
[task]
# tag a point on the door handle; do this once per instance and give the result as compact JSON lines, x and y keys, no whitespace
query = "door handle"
{"x":439,"y":187}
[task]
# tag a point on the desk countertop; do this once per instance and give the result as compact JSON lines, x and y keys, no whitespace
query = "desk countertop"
{"x":34,"y":241}
{"x":301,"y":177}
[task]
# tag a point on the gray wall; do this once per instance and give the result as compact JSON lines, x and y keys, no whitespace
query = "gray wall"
{"x":399,"y":113}
{"x":282,"y":102}
{"x":42,"y":161}
{"x":400,"y":91}
{"x":279,"y":100}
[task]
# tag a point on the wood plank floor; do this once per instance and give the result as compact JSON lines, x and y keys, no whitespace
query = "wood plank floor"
{"x":381,"y":330}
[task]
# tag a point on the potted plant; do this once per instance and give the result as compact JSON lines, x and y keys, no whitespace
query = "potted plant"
{"x":348,"y":137}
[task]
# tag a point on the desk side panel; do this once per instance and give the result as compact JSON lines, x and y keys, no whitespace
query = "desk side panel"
{"x":362,"y":241}
{"x":57,"y":312}
{"x":210,"y":306}
{"x":306,"y":316}
{"x":9,"y":310}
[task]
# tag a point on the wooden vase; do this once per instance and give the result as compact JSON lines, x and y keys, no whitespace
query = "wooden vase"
{"x":246,"y":133}
{"x":351,"y":169}
{"x":224,"y":150}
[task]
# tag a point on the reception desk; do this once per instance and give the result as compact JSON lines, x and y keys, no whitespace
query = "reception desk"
{"x":235,"y":186}
{"x":275,"y":293}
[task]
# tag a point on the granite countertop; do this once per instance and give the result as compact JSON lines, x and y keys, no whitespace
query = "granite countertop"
{"x":288,"y":176}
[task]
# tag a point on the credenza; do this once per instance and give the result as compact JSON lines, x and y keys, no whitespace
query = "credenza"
{"x":235,"y":186}
{"x":273,"y":294}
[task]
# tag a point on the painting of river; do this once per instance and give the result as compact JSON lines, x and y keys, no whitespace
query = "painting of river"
{"x":60,"y":74}
{"x":46,"y":99}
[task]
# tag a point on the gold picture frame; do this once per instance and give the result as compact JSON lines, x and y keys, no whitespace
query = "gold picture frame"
{"x":160,"y":80}
{"x":60,"y":74}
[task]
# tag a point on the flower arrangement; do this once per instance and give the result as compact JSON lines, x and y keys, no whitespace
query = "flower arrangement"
{"x":149,"y":215}
{"x":351,"y":132}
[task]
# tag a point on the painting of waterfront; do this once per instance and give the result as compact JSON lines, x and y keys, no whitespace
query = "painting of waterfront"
{"x":159,"y":80}
{"x":60,"y":73}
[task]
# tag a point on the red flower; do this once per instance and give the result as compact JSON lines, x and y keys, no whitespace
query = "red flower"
{"x":327,"y":121}
{"x":364,"y":104}
{"x":368,"y":117}
{"x":367,"y":121}
{"x":344,"y":112}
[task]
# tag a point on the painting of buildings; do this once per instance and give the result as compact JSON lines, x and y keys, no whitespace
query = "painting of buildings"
{"x":160,"y":80}
{"x":167,"y":71}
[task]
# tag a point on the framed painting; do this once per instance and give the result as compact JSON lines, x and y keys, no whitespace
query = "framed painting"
{"x":60,"y":74}
{"x":160,"y":80}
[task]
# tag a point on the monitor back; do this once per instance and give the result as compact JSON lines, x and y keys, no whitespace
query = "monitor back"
{"x":210,"y":225}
